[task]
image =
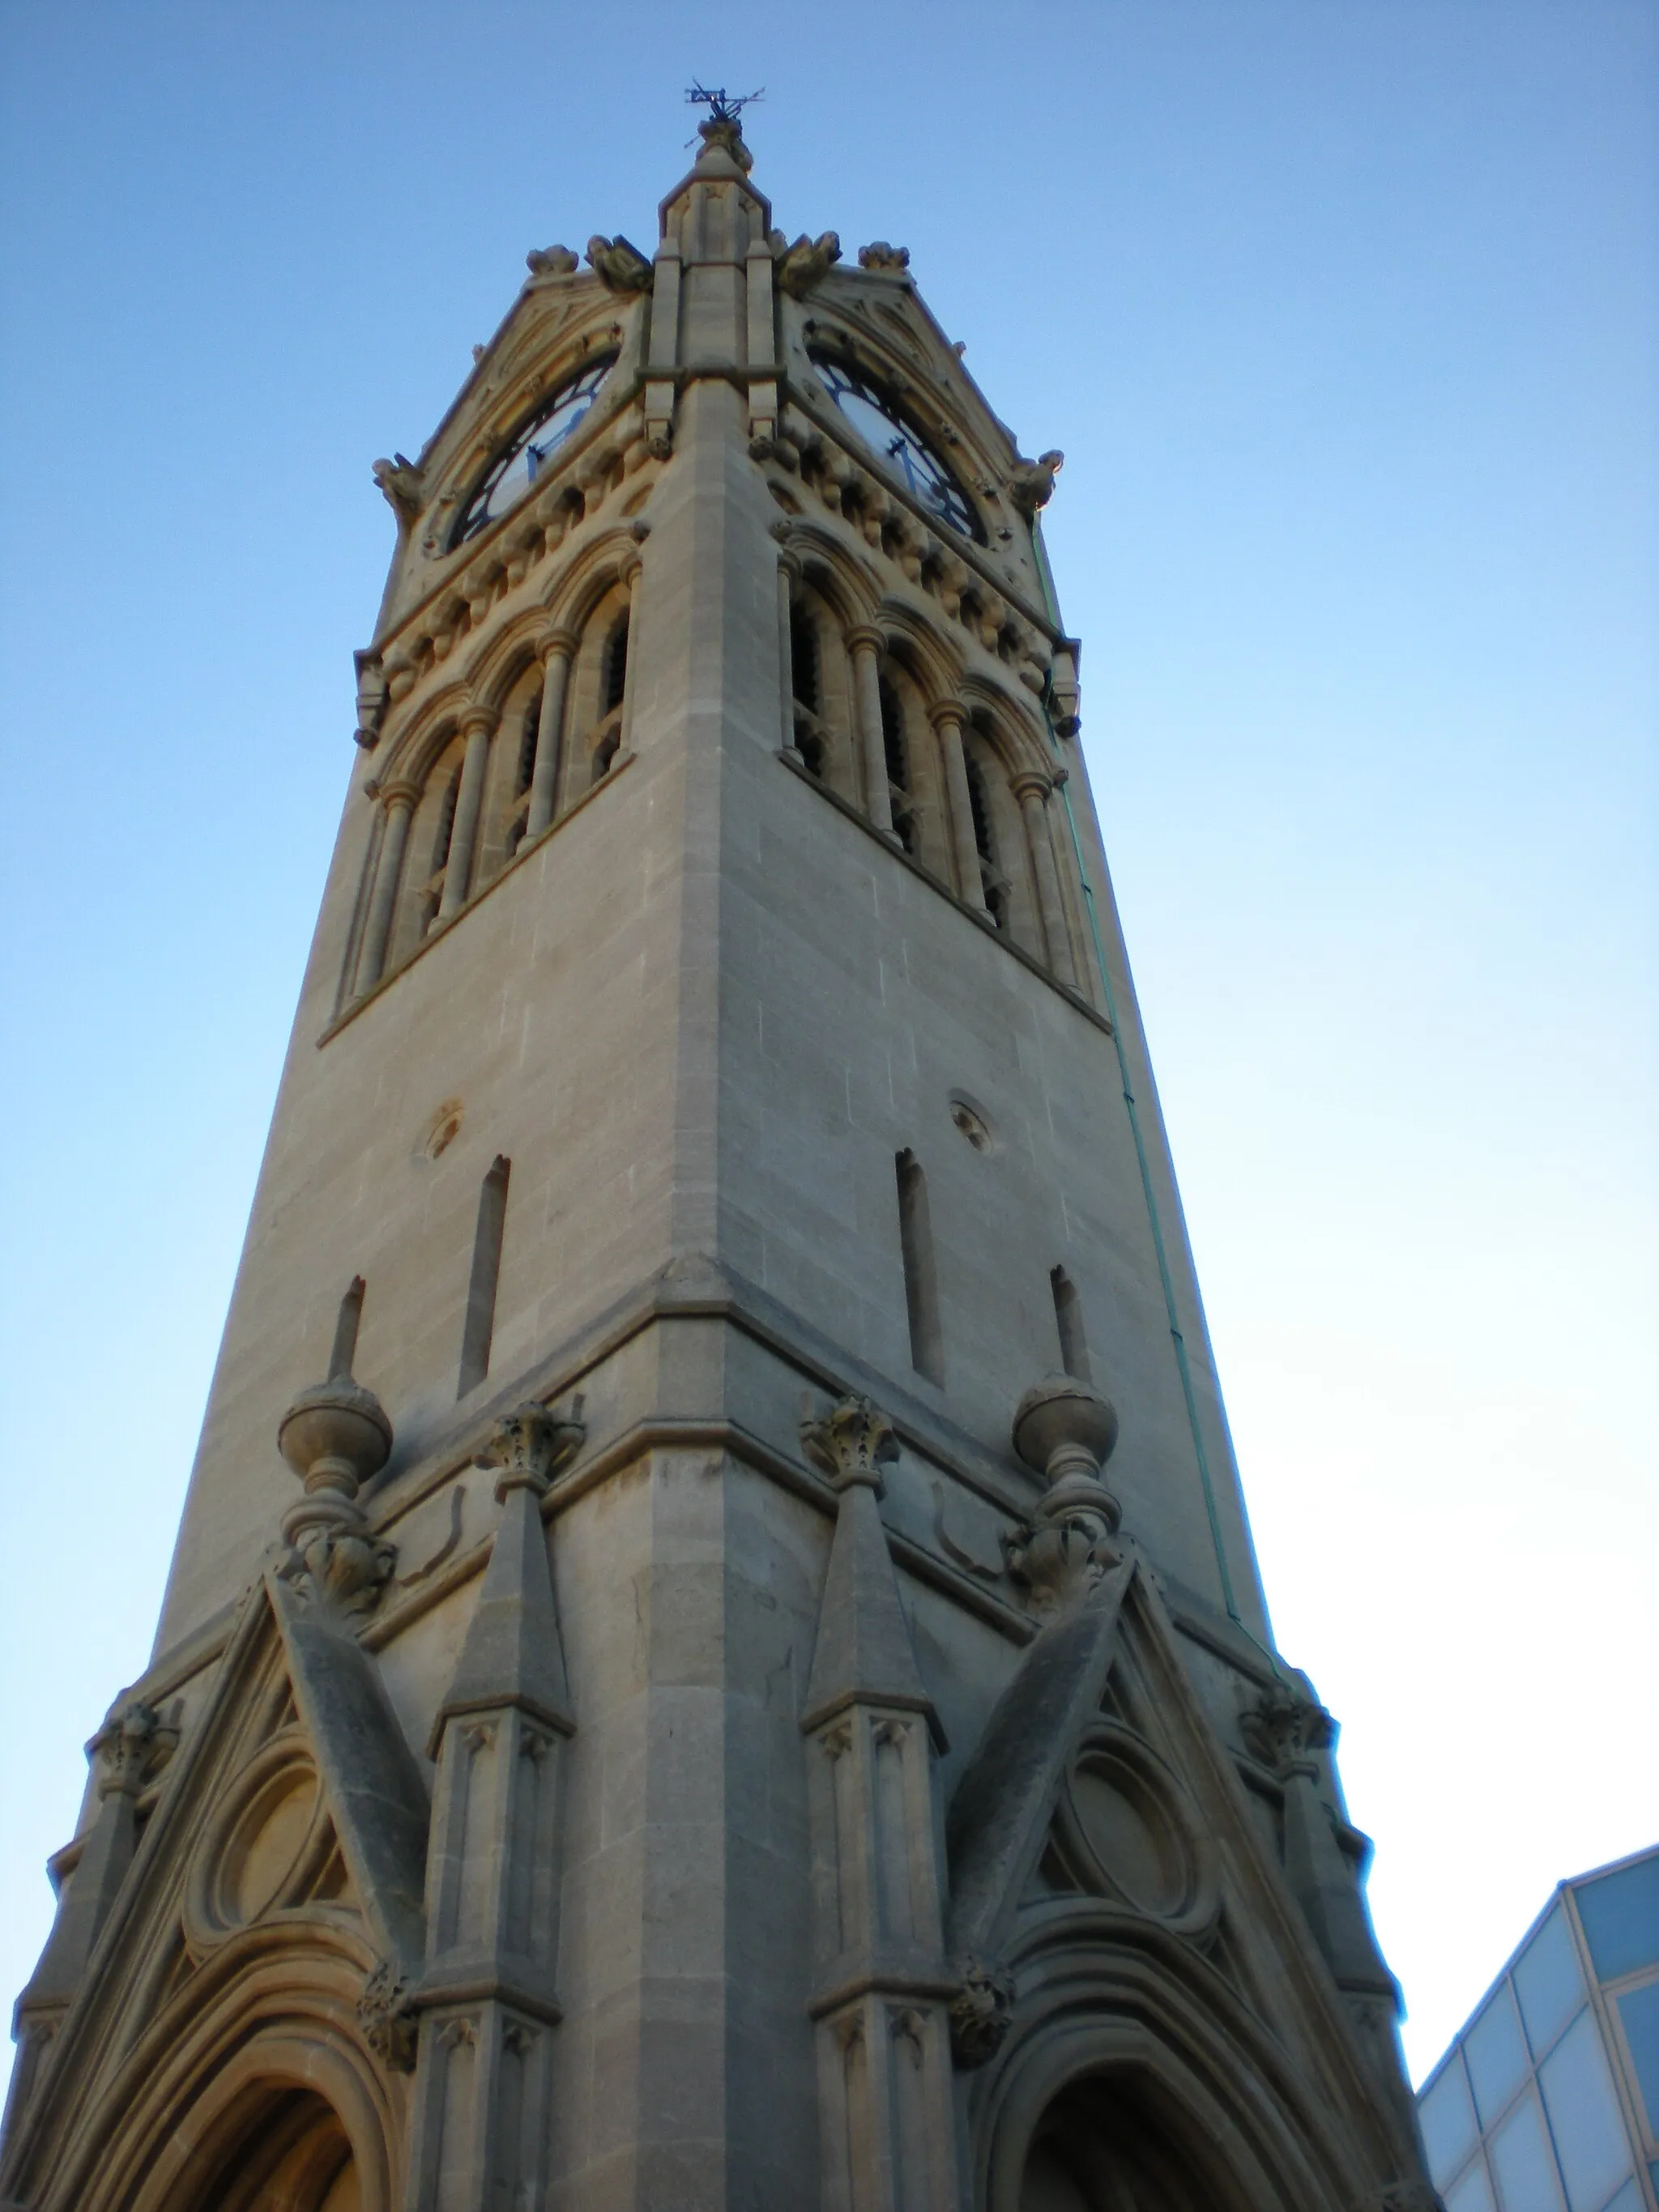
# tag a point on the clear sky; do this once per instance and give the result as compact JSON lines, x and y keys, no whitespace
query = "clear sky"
{"x":1344,"y":314}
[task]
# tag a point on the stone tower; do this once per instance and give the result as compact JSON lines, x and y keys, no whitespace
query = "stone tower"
{"x":750,"y":1689}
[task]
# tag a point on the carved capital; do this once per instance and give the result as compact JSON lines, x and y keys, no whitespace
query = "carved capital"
{"x":1029,"y":784}
{"x":483,"y":718}
{"x":530,"y":1445}
{"x":400,"y":794}
{"x":865,"y":638}
{"x":132,"y":1746}
{"x":982,"y":2012}
{"x":619,"y":266}
{"x":948,"y":713}
{"x":851,"y":1443}
{"x":558,"y":645}
{"x":1284,"y":1730}
{"x":388,"y":2020}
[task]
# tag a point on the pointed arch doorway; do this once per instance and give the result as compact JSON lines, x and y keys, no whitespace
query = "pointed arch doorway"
{"x":1093,"y":2150}
{"x":295,"y":2157}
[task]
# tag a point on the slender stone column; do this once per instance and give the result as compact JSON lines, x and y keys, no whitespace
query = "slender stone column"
{"x":948,"y":718}
{"x":1032,"y":792}
{"x":788,"y":576}
{"x":556,"y":655}
{"x":480,"y":726}
{"x":866,"y":647}
{"x":399,"y":801}
{"x":631,"y":575}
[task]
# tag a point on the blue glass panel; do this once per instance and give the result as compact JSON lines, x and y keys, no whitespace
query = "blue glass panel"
{"x":1548,"y":1982}
{"x":1590,"y":2141}
{"x":1497,"y":2054}
{"x":1639,"y":2014}
{"x":1524,"y":2163}
{"x":1446,"y":2115}
{"x":1473,"y":2193}
{"x":1629,"y":2198}
{"x":1620,"y":1913}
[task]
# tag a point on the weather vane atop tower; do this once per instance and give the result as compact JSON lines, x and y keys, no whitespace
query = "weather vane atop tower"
{"x":723,"y":106}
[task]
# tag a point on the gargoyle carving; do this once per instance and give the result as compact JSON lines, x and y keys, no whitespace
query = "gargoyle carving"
{"x":1285,"y":1729}
{"x":619,"y":266}
{"x":400,"y":482}
{"x":1031,"y":483}
{"x":881,"y":255}
{"x":552,"y":261}
{"x":807,"y":262}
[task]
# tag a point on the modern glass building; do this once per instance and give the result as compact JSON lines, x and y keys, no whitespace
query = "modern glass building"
{"x":1548,"y":2100}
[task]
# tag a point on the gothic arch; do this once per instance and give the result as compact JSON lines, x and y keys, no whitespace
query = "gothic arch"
{"x":1125,"y":2033}
{"x":274,"y":2012}
{"x":845,"y":583}
{"x":1007,"y":725}
{"x":916,"y":643}
{"x":409,"y":756}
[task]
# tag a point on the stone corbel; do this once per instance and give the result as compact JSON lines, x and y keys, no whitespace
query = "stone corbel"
{"x":1063,"y":690}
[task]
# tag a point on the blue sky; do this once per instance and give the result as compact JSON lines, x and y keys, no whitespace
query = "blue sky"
{"x":1344,"y":314}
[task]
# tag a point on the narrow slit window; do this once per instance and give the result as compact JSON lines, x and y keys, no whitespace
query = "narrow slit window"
{"x":616,"y":666}
{"x":995,"y":883}
{"x":1068,"y":1320}
{"x":480,"y":1323}
{"x":345,"y":1330}
{"x":921,"y":1275}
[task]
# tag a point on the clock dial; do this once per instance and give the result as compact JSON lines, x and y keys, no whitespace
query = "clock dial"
{"x":511,"y":473}
{"x":902,"y":449}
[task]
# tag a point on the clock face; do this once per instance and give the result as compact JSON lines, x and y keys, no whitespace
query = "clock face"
{"x":511,"y":473}
{"x":902,"y":449}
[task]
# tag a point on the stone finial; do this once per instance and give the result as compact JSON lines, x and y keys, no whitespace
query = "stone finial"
{"x":881,"y":255}
{"x":1285,"y":1729}
{"x":1065,"y":1431}
{"x":1031,"y":483}
{"x":619,"y":266}
{"x":721,"y":133}
{"x":552,"y":261}
{"x":335,"y":1436}
{"x":529,"y":1445}
{"x":851,"y":1443}
{"x":401,"y":482}
{"x":807,"y":262}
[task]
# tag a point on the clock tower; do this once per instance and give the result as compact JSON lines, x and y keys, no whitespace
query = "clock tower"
{"x":714,"y":1657}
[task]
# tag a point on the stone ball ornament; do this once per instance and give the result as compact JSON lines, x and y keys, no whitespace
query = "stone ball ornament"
{"x":1062,"y":1427}
{"x":335,"y":1435}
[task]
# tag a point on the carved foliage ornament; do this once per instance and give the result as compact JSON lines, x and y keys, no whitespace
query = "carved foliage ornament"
{"x":982,"y":2012}
{"x":388,"y":2020}
{"x":850,"y":1443}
